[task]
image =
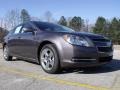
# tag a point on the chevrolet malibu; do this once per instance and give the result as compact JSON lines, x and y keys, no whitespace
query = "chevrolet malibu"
{"x":54,"y":46}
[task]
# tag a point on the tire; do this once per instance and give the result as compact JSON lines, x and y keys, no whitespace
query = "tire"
{"x":6,"y":55}
{"x":49,"y":59}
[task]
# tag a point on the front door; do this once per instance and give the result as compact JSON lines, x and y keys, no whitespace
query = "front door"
{"x":28,"y":48}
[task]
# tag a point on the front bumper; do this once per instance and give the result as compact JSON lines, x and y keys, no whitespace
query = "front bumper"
{"x":77,"y":56}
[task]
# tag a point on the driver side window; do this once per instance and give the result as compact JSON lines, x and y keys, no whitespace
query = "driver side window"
{"x":23,"y":30}
{"x":26,"y":28}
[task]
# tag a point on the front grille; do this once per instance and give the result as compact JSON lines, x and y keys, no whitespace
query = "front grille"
{"x":105,"y":59}
{"x":104,"y":49}
{"x":102,"y":44}
{"x":100,"y":40}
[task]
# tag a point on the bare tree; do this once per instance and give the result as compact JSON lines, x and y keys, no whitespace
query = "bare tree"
{"x":3,"y":23}
{"x":33,"y":18}
{"x":12,"y":18}
{"x":68,"y":21}
{"x":48,"y":16}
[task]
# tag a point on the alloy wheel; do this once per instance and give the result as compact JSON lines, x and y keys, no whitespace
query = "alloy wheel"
{"x":47,"y":59}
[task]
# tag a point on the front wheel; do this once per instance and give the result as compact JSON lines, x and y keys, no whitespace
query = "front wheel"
{"x":6,"y":55}
{"x":49,"y":59}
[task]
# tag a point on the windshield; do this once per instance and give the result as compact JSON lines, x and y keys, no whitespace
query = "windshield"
{"x":53,"y":27}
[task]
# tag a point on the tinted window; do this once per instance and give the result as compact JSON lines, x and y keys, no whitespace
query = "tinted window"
{"x":26,"y":27}
{"x":53,"y":27}
{"x":23,"y":30}
{"x":17,"y":30}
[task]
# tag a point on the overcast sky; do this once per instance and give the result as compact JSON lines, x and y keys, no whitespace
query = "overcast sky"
{"x":87,"y":9}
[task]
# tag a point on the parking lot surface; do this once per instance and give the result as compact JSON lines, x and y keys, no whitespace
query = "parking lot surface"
{"x":23,"y":75}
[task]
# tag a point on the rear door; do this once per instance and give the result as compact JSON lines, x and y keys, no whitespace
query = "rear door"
{"x":13,"y":41}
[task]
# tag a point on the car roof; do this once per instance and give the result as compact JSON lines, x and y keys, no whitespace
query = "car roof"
{"x":41,"y":22}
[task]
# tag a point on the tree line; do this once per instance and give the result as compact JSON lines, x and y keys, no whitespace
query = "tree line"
{"x":103,"y":26}
{"x":109,"y":28}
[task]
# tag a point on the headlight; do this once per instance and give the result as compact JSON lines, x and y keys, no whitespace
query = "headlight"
{"x":76,"y":40}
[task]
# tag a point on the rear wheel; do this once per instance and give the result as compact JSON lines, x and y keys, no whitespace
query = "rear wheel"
{"x":49,"y":59}
{"x":6,"y":55}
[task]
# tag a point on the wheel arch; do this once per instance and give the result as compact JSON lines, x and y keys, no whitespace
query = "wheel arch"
{"x":43,"y":44}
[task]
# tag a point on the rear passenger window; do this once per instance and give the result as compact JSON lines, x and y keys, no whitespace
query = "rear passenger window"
{"x":17,"y":30}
